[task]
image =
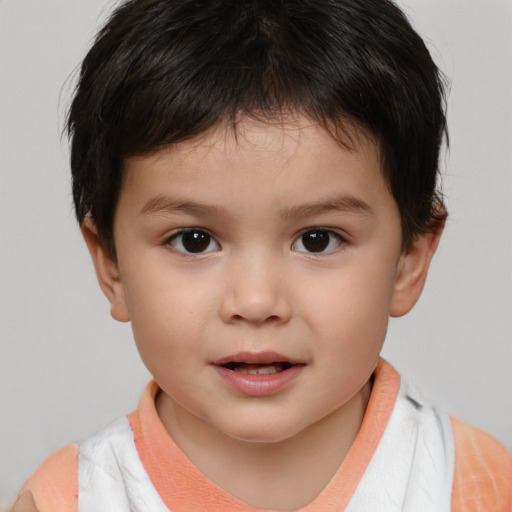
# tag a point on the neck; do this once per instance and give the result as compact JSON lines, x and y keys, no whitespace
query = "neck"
{"x":282,"y":475}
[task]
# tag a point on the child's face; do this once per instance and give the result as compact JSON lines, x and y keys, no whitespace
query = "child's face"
{"x":276,"y":245}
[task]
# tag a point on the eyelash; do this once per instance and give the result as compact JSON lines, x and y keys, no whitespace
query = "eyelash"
{"x":206,"y":243}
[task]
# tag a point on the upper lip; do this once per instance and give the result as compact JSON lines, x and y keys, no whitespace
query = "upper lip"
{"x":267,"y":357}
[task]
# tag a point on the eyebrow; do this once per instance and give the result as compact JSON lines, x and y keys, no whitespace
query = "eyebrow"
{"x":344,"y":204}
{"x":169,"y":205}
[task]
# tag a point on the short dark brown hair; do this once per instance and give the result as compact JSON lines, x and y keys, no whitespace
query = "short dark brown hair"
{"x":165,"y":71}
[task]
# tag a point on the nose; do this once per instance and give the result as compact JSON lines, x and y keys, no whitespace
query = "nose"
{"x":255,"y":291}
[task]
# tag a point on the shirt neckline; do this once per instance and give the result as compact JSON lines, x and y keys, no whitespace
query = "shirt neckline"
{"x":183,"y":488}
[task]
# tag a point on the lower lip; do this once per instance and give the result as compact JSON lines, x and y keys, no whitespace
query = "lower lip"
{"x":259,"y":384}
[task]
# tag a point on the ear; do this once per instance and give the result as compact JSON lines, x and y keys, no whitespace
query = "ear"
{"x":107,"y":272}
{"x":412,"y":271}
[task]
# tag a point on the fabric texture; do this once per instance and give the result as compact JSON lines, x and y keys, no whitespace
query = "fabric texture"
{"x":55,"y":483}
{"x":483,"y":471}
{"x":412,"y":468}
{"x":111,"y":475}
{"x":482,"y":479}
{"x":417,"y":440}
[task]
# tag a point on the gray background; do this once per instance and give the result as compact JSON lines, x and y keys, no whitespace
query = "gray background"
{"x":66,"y":368}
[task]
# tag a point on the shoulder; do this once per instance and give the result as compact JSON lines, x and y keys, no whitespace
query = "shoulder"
{"x":483,"y":471}
{"x":55,"y":483}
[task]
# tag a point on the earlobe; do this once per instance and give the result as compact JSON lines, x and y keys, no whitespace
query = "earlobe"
{"x":107,"y":272}
{"x":412,"y":271}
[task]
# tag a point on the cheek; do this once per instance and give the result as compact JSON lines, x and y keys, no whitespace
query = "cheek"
{"x":357,"y":292}
{"x":167,"y":315}
{"x":351,"y":309}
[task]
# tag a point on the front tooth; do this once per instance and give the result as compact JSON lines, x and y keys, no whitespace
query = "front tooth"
{"x":263,"y":370}
{"x":267,"y":370}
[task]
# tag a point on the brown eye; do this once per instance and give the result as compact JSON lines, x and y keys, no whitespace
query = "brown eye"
{"x":193,"y":241}
{"x":317,"y":241}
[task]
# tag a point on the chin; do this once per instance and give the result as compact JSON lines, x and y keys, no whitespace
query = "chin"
{"x":261,"y":432}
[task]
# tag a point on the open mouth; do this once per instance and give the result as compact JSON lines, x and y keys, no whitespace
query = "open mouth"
{"x":258,"y":374}
{"x":258,"y":369}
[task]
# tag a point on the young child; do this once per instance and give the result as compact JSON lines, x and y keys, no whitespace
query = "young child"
{"x":256,"y":184}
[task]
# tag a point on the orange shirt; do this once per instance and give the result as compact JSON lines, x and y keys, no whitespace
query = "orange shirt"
{"x":482,"y":478}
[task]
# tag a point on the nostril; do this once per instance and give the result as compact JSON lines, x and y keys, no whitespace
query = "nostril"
{"x":254,"y":319}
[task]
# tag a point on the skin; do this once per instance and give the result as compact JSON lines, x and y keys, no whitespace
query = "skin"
{"x":25,"y":503}
{"x":258,"y":288}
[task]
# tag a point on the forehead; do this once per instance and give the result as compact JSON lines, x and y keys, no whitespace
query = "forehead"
{"x":279,"y":139}
{"x":285,"y":162}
